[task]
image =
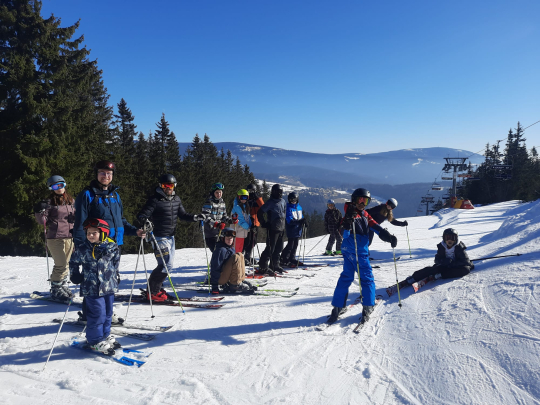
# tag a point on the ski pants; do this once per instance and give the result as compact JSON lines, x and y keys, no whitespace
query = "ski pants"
{"x":289,"y":253}
{"x":233,"y":270}
{"x":272,"y":252}
{"x":335,"y":236}
{"x":239,"y":244}
{"x":61,"y":250}
{"x":347,"y":277}
{"x":250,"y":242}
{"x":211,"y":243}
{"x":446,"y":272}
{"x":99,"y":312}
{"x":159,"y":274}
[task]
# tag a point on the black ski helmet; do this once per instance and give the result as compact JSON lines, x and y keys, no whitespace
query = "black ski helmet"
{"x":228,"y":232}
{"x":360,"y":192}
{"x":167,"y":178}
{"x":293,"y":196}
{"x":251,"y":188}
{"x":55,"y":179}
{"x":277,"y":191}
{"x":450,"y":233}
{"x":104,"y":165}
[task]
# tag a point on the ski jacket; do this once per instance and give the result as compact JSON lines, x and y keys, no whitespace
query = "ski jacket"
{"x":293,"y":218}
{"x":461,"y":258}
{"x":378,"y":215}
{"x":244,"y":219}
{"x":93,"y":202}
{"x":362,"y":223}
{"x":255,"y":203}
{"x":164,"y":212}
{"x":274,"y":209}
{"x":221,"y":254}
{"x":59,"y":220}
{"x":99,"y":275}
{"x":214,"y":210}
{"x":332,"y":220}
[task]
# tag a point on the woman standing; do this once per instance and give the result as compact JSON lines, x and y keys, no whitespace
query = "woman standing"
{"x":57,"y":214}
{"x":242,"y":211}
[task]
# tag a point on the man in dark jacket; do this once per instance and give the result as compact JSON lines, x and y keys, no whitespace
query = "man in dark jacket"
{"x":275,"y":209}
{"x":451,"y":260}
{"x":332,"y":221}
{"x":227,"y":268}
{"x":255,"y":202}
{"x":383,"y":212}
{"x":164,"y":209}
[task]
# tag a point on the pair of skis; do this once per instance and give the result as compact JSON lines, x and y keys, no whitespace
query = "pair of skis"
{"x":416,"y":286}
{"x":126,"y":356}
{"x":324,"y":326}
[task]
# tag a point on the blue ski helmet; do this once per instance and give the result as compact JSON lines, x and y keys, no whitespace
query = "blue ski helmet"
{"x":330,"y":202}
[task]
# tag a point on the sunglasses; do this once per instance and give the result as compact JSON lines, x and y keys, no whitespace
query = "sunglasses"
{"x":168,"y":185}
{"x":230,"y":234}
{"x":58,"y":186}
{"x":364,"y":200}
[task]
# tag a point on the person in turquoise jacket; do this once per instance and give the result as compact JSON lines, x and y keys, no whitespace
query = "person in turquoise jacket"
{"x":240,"y":213}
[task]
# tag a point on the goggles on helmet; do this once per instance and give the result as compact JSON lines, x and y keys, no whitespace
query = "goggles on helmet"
{"x":58,"y":186}
{"x":217,"y":186}
{"x":364,"y":200}
{"x":449,"y":236}
{"x":230,"y":233}
{"x":243,"y":197}
{"x":168,"y":185}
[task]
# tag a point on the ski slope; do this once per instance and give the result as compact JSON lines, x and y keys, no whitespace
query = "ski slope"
{"x":474,"y":340}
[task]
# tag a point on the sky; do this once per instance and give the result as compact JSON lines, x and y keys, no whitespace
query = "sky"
{"x":320,"y":76}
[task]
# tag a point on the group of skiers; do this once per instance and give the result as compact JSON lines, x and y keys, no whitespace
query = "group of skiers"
{"x":87,"y":233}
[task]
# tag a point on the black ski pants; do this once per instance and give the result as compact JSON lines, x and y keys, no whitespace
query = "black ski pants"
{"x":250,"y":242}
{"x":446,"y":272}
{"x":335,"y":236}
{"x":289,"y":253}
{"x":272,"y":252}
{"x":211,"y":243}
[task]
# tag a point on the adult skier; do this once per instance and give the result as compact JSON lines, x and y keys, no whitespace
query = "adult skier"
{"x":255,"y":202}
{"x":295,"y":223}
{"x":356,"y":224}
{"x":383,"y":212}
{"x":275,"y":210}
{"x":332,"y":221}
{"x":215,"y":213}
{"x":164,"y":209}
{"x":57,"y":214}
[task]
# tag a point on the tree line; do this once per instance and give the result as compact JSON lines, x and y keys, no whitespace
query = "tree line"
{"x":55,"y":118}
{"x":508,"y":173}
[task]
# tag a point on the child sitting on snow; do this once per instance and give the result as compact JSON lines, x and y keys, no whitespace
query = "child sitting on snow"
{"x":451,"y":260}
{"x":99,"y":257}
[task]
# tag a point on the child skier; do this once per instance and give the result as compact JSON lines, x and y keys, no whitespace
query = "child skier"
{"x":241,"y":211}
{"x":216,"y":215}
{"x":332,"y":220}
{"x":99,"y":257}
{"x":383,"y":212}
{"x":227,"y":268}
{"x":295,"y":222}
{"x":356,"y":224}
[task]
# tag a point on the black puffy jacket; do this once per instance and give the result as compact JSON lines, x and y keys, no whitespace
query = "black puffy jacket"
{"x":461,"y":258}
{"x":164,"y":211}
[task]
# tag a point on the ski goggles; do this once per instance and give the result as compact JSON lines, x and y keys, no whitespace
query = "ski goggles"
{"x":58,"y":186}
{"x":243,"y":197}
{"x":168,"y":185}
{"x":218,"y":186}
{"x":364,"y":200}
{"x":230,"y":234}
{"x":449,"y":236}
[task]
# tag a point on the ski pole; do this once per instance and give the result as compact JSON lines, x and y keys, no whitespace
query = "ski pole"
{"x":316,"y":244}
{"x":356,"y":252}
{"x":134,"y":275}
{"x":167,"y":268}
{"x":495,"y":257}
{"x":207,"y":262}
{"x":146,"y":274}
{"x":46,"y":251}
{"x":397,"y":281}
{"x":407,"y":229}
{"x":57,"y":333}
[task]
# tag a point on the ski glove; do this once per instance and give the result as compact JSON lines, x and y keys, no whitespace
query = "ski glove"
{"x":215,"y":289}
{"x":234,"y":218}
{"x":387,"y":237}
{"x":199,"y":217}
{"x":222,"y":226}
{"x":41,"y":206}
{"x":216,"y":224}
{"x":76,"y":276}
{"x":405,"y":223}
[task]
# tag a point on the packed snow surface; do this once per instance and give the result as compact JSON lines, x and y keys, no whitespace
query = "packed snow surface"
{"x":474,"y":340}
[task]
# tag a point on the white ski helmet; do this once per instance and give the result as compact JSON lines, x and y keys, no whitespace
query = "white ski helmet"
{"x":392,"y":202}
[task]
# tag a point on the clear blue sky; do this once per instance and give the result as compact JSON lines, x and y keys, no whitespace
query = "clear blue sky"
{"x":320,"y":76}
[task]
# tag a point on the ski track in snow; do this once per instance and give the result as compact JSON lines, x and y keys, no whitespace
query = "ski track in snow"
{"x":474,"y":340}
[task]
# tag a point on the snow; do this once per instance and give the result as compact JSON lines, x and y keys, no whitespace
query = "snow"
{"x":474,"y":340}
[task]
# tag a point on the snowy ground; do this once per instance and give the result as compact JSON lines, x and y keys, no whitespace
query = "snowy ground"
{"x":474,"y":340}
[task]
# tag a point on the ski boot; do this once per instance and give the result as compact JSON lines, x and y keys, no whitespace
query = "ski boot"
{"x":113,"y":342}
{"x":159,"y":297}
{"x":103,"y":347}
{"x":336,"y":313}
{"x":337,"y":253}
{"x":116,"y":320}
{"x":60,"y":291}
{"x":328,"y":253}
{"x":366,"y":312}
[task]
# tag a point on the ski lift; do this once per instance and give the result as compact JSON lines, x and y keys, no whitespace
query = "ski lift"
{"x":436,"y":187}
{"x":447,"y":178}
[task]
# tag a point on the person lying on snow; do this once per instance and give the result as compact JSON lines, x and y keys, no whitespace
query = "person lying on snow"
{"x":451,"y":260}
{"x":227,"y":268}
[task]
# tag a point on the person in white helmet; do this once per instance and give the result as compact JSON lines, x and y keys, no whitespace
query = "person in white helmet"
{"x":384,"y":212}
